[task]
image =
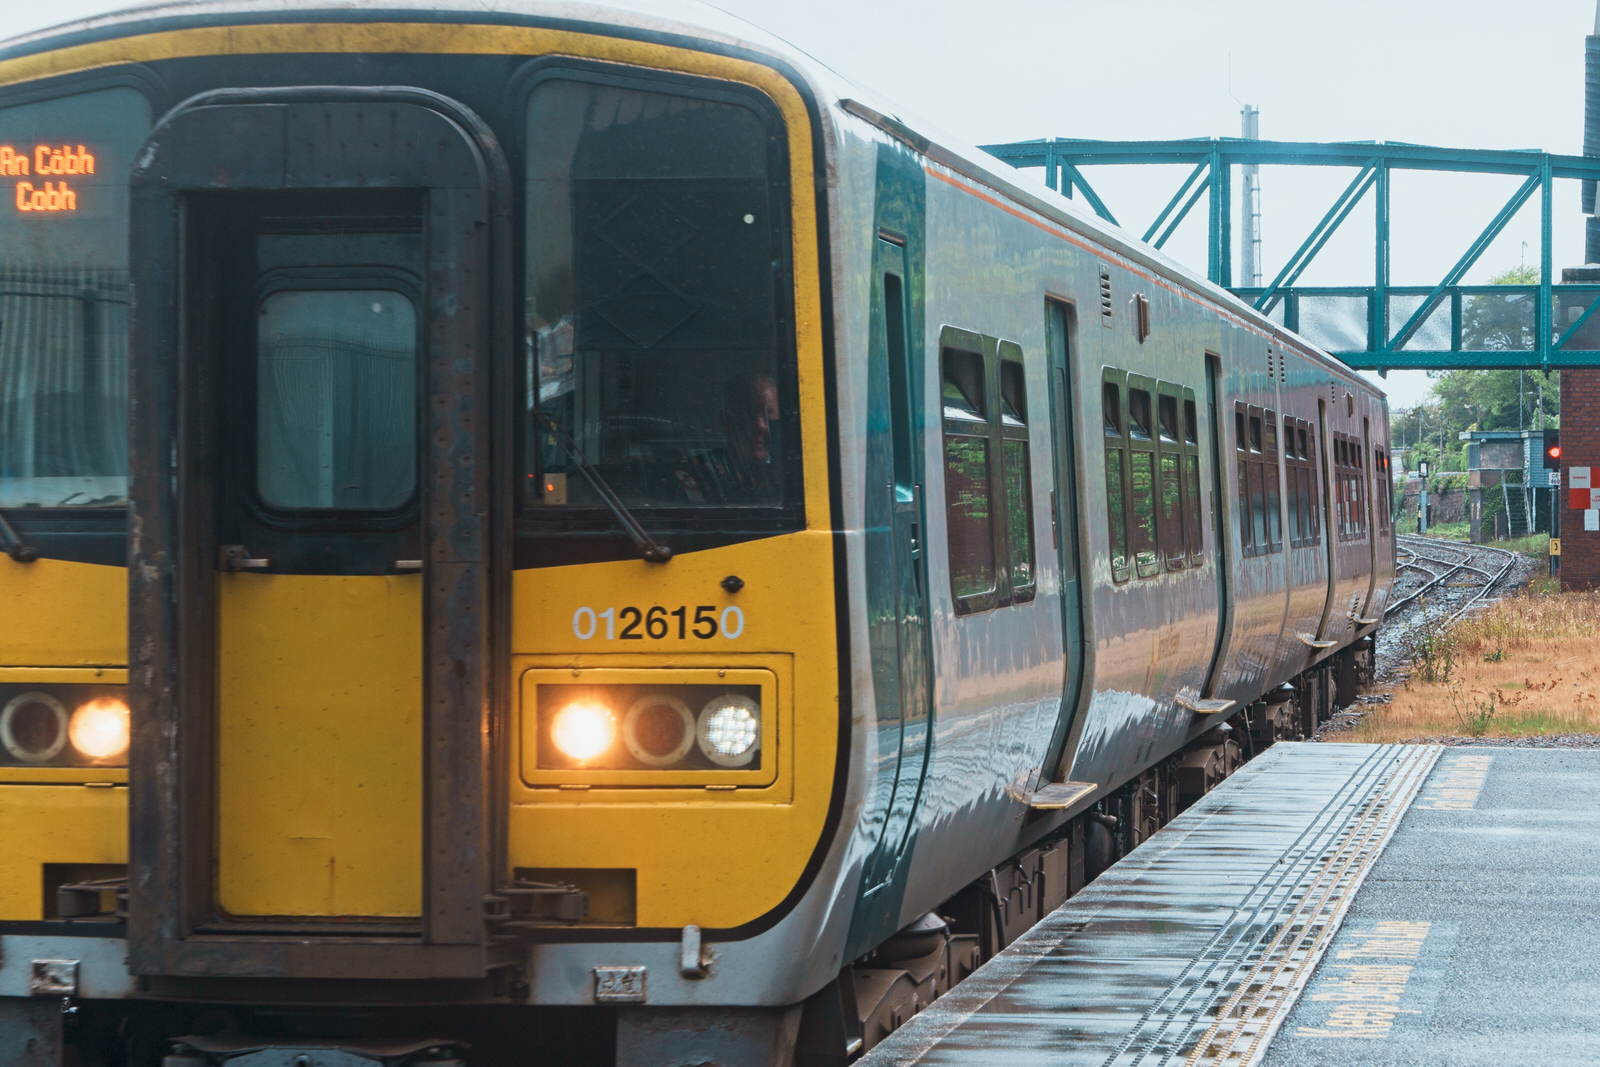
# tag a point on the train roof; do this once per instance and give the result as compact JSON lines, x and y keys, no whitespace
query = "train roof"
{"x":685,"y":20}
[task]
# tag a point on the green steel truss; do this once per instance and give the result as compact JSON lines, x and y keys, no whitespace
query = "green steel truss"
{"x":1378,"y":326}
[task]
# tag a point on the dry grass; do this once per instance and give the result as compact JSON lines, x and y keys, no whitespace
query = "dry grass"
{"x":1524,"y":666}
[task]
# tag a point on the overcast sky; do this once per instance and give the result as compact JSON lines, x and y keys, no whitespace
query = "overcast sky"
{"x":1459,"y":73}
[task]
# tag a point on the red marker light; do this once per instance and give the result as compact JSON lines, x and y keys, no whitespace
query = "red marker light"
{"x":1555,"y":451}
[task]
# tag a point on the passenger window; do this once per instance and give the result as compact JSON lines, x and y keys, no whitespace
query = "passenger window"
{"x":1018,"y":478}
{"x":1247,"y":544}
{"x":1258,"y":500}
{"x":1171,"y":523}
{"x":1291,"y":470}
{"x":966,"y":480}
{"x":1116,"y":477}
{"x":1142,"y":477}
{"x":1316,"y":487}
{"x":1191,"y":469}
{"x":1269,"y":473}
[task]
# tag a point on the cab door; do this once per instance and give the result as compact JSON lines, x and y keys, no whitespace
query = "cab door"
{"x":893,"y":538}
{"x":319,"y":560}
{"x":319,"y":527}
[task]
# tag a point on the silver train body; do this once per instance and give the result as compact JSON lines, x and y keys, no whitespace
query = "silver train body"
{"x":1000,"y":250}
{"x":1085,"y":672}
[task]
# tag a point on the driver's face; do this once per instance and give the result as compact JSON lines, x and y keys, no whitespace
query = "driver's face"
{"x":763,"y":413}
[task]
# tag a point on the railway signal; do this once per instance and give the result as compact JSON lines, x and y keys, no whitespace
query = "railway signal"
{"x":1552,"y":450}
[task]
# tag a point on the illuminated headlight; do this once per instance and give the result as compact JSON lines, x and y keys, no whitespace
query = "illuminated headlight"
{"x":99,"y":729}
{"x":583,"y":730}
{"x":33,"y":727}
{"x":730,"y":730}
{"x":63,"y":725}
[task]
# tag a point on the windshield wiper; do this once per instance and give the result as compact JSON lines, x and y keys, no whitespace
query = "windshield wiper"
{"x":649,"y":547}
{"x":15,"y":546}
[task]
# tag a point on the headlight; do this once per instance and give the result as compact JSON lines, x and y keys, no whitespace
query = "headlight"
{"x":65,"y":724}
{"x":658,"y":729}
{"x":730,"y":727}
{"x":662,"y":727}
{"x":583,"y":731}
{"x":99,"y":729}
{"x":33,"y":727}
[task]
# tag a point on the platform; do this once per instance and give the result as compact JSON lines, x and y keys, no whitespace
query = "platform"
{"x":1195,"y":948}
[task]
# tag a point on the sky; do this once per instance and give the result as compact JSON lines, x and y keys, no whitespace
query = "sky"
{"x":1456,"y":73}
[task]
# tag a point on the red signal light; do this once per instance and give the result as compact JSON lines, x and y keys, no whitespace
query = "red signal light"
{"x":1555,"y":451}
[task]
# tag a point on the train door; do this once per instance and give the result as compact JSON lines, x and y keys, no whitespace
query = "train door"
{"x":1330,"y":528}
{"x":1220,"y":552}
{"x":1064,"y":523}
{"x":896,"y":584}
{"x":318,"y":585}
{"x":1368,"y":469}
{"x":312,"y":397}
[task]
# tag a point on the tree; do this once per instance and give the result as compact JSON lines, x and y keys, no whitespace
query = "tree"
{"x":1494,"y":323}
{"x":1482,"y":399}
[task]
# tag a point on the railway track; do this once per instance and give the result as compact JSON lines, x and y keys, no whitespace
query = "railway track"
{"x":1457,"y":575}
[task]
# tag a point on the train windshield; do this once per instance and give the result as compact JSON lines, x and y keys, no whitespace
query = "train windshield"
{"x":655,"y":226}
{"x":64,"y":168}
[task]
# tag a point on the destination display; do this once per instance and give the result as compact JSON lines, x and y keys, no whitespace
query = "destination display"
{"x":46,"y":159}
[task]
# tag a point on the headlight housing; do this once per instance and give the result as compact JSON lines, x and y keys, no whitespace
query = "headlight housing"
{"x":63,"y":725}
{"x":649,"y":727}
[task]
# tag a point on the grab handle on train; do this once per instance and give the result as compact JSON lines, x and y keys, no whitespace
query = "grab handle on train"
{"x":238,"y":558}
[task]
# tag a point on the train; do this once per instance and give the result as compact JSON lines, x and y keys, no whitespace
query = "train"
{"x":568,"y":530}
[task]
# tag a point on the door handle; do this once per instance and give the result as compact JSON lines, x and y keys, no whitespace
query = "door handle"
{"x":408,"y":564}
{"x":238,"y":558}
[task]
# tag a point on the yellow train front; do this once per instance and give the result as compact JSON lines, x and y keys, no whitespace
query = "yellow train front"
{"x":491,"y":503}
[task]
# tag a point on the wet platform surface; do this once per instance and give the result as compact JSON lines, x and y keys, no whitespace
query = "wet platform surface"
{"x":1194,"y":948}
{"x":1476,"y":939}
{"x":1328,"y":905}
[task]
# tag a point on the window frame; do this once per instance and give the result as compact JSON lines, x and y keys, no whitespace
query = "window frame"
{"x":1009,"y":352}
{"x":1148,"y":445}
{"x":1117,"y":379}
{"x":699,"y":525}
{"x":994,"y":352}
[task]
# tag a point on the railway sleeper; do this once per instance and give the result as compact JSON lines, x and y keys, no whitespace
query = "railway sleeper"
{"x":901,"y":977}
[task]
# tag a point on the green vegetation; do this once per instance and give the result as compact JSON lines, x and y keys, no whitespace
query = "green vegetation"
{"x":1480,"y":399}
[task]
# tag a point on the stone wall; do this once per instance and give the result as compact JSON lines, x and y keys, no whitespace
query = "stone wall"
{"x":1449,"y":505}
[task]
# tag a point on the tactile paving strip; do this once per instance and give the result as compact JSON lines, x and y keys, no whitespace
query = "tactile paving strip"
{"x":1193,"y":949}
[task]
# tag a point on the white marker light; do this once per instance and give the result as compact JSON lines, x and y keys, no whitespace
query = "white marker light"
{"x":730,"y":730}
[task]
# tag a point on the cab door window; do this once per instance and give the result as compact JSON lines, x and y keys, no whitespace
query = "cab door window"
{"x":336,"y":399}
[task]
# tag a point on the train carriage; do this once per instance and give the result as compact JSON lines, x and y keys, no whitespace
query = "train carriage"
{"x":569,"y":530}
